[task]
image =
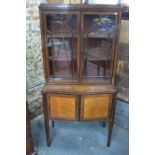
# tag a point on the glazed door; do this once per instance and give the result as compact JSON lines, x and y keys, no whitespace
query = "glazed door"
{"x":98,"y":46}
{"x":61,"y":36}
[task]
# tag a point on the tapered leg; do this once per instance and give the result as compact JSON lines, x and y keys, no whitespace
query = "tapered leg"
{"x":111,"y":121}
{"x":48,"y":139}
{"x":109,"y":133}
{"x":47,"y":128}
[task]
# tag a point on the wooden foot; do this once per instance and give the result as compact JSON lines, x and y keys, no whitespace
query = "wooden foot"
{"x":108,"y":144}
{"x":48,"y":142}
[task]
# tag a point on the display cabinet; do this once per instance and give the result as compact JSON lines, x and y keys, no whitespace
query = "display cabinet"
{"x":79,"y":44}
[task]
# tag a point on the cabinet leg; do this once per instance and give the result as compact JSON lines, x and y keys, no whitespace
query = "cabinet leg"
{"x":111,"y":122}
{"x":104,"y":124}
{"x":53,"y":123}
{"x":46,"y":119}
{"x":47,"y":128}
{"x":109,"y":133}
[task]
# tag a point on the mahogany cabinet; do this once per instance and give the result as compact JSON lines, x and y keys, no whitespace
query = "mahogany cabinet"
{"x":79,"y":45}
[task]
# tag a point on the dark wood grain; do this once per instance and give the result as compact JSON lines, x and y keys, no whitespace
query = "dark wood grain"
{"x":46,"y":119}
{"x":79,"y":7}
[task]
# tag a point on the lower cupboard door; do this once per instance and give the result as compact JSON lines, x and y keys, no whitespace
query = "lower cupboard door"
{"x":96,"y":106}
{"x":63,"y":107}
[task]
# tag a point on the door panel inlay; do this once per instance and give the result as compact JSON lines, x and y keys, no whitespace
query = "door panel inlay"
{"x":95,"y":106}
{"x":63,"y":106}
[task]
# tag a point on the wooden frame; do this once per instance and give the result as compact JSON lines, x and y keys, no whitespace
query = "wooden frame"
{"x":114,"y":48}
{"x":48,"y":92}
{"x":45,"y":51}
{"x":80,"y":11}
{"x":79,"y":89}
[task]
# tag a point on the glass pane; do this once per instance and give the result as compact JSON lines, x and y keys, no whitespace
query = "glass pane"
{"x":97,"y":48}
{"x":61,"y":33}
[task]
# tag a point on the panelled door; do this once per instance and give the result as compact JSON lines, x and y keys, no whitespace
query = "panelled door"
{"x":96,"y":106}
{"x":63,"y":106}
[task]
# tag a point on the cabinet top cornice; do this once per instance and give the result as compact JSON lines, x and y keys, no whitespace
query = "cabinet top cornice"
{"x":82,"y":7}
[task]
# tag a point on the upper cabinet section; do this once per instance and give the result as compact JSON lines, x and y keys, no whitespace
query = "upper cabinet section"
{"x":79,"y":42}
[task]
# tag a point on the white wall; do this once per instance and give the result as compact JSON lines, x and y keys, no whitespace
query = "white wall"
{"x":103,"y":1}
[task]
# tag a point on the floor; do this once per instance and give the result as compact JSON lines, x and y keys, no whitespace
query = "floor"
{"x":79,"y":138}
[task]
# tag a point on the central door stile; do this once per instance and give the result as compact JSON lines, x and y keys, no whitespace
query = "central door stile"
{"x":79,"y":107}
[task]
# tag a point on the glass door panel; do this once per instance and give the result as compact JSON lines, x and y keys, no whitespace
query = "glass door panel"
{"x":61,"y":45}
{"x":98,"y":47}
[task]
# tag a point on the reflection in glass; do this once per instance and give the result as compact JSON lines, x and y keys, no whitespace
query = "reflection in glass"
{"x":99,"y":32}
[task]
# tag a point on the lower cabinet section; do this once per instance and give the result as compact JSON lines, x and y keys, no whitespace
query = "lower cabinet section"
{"x":95,"y":106}
{"x":89,"y":107}
{"x":63,"y":106}
{"x":80,"y":103}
